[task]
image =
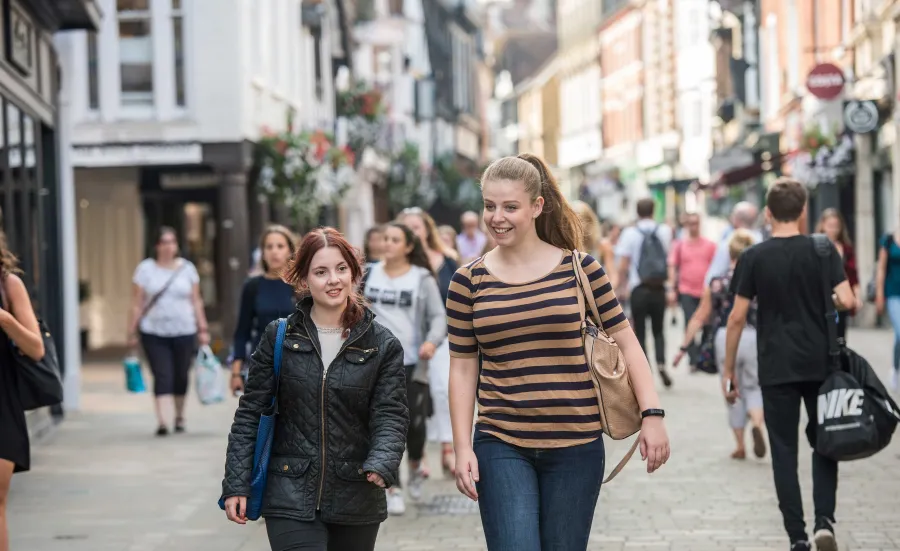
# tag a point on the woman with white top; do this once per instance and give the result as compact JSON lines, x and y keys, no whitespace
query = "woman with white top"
{"x":167,"y":316}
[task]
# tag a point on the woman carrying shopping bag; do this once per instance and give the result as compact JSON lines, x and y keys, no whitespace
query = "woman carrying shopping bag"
{"x":342,"y":414}
{"x":168,"y":317}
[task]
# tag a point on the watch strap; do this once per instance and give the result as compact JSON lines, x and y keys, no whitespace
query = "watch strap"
{"x":653,"y":412}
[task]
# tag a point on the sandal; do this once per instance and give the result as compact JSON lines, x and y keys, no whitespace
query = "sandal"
{"x":162,"y":430}
{"x":179,"y":425}
{"x":739,"y":454}
{"x":759,"y":443}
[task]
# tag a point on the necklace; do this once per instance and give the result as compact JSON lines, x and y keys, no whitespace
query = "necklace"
{"x":330,"y":329}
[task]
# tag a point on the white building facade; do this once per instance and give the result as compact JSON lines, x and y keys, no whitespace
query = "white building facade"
{"x":166,"y":102}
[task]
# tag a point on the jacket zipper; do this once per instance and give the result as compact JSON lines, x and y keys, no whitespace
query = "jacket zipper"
{"x":322,"y":404}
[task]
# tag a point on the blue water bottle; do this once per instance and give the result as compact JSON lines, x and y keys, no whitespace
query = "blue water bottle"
{"x":134,"y":378}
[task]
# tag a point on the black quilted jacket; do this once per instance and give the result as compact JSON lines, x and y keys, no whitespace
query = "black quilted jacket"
{"x":332,"y":427}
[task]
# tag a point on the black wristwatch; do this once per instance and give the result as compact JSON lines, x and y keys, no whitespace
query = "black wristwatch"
{"x":653,"y":413}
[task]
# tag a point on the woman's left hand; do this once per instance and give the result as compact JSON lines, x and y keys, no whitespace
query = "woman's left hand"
{"x":426,"y":351}
{"x":203,"y":337}
{"x":375,"y":479}
{"x":654,"y":443}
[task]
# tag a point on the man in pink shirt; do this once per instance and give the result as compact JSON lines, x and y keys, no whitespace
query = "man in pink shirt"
{"x":689,"y":261}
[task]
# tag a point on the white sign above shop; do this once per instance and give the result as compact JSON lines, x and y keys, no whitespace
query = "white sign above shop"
{"x":112,"y":155}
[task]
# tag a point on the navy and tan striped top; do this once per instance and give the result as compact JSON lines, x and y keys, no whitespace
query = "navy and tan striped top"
{"x":535,"y":389}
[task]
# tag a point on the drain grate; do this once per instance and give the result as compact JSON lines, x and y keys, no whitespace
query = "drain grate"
{"x":448,"y":505}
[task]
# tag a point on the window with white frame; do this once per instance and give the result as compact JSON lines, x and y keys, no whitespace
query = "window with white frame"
{"x":135,"y":52}
{"x":178,"y":48}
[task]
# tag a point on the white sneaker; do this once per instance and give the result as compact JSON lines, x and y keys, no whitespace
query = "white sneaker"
{"x":395,"y":504}
{"x":416,"y":479}
{"x":895,"y":375}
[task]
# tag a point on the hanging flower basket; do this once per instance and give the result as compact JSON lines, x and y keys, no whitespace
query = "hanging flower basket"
{"x":407,"y":183}
{"x":360,"y":101}
{"x":304,"y":171}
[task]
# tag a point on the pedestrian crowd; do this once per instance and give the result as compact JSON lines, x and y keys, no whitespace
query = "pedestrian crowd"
{"x":518,"y":344}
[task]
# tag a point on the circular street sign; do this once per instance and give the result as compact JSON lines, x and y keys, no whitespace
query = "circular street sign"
{"x":861,"y":117}
{"x":825,"y":81}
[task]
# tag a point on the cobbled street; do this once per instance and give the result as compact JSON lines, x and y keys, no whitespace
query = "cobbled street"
{"x":102,"y":482}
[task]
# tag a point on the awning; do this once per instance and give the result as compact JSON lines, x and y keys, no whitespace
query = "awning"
{"x":71,"y":15}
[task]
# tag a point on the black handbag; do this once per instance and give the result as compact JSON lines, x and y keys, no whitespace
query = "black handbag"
{"x":39,"y":382}
{"x":856,"y":417}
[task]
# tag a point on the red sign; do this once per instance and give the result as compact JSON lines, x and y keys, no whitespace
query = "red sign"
{"x":825,"y":81}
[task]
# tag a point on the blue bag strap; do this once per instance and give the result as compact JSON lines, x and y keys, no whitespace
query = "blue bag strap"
{"x":279,"y":344}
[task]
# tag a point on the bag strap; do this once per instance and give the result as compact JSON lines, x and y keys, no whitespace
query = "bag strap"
{"x":584,"y":284}
{"x":618,"y":468}
{"x":155,"y":298}
{"x":822,"y":245}
{"x":276,"y":365}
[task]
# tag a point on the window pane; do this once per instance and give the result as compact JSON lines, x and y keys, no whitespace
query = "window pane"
{"x":93,"y":85}
{"x":14,"y":134}
{"x":133,"y":5}
{"x":178,"y":32}
{"x":176,"y":4}
{"x":136,"y":62}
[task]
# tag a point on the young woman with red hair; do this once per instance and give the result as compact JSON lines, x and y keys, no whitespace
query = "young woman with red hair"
{"x":342,"y":411}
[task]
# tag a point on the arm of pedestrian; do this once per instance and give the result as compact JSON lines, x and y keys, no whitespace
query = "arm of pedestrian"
{"x":200,"y":315}
{"x":435,"y":312}
{"x":843,"y":297}
{"x":138,"y":297}
{"x":257,"y":398}
{"x":695,"y":324}
{"x":737,"y":320}
{"x":880,"y":276}
{"x":388,"y":417}
{"x":20,"y":323}
{"x":463,"y":390}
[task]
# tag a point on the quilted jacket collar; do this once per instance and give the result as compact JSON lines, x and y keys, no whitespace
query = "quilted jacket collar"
{"x":304,"y":319}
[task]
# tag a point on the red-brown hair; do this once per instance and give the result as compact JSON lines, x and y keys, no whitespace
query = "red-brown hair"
{"x":298,"y":270}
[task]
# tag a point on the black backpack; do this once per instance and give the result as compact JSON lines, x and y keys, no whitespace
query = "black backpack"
{"x":856,"y":417}
{"x":653,"y":265}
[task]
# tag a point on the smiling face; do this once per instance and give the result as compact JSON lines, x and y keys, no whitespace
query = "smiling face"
{"x":395,"y":245}
{"x":276,"y":251}
{"x":509,"y":212}
{"x":329,"y":280}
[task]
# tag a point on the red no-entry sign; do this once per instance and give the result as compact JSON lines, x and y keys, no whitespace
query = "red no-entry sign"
{"x":825,"y":81}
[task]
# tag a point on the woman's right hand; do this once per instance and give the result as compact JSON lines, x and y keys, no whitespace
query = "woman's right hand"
{"x":132,"y":341}
{"x":467,"y":473}
{"x":236,"y":509}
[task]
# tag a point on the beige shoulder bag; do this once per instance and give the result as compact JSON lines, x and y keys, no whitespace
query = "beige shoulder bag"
{"x":620,"y":413}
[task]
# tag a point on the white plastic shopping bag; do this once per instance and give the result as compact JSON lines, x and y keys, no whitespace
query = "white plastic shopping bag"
{"x":208,"y":373}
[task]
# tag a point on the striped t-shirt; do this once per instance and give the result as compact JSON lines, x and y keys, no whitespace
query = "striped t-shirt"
{"x":535,"y":389}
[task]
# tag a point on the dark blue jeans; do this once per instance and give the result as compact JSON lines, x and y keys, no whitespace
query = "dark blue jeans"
{"x":537,"y":499}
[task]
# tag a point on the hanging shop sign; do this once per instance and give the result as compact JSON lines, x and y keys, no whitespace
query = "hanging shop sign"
{"x":825,"y":81}
{"x":860,"y":117}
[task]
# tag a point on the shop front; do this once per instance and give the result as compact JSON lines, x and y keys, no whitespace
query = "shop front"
{"x":29,"y":177}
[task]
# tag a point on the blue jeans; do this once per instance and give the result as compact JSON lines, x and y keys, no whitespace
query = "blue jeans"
{"x":537,"y":499}
{"x":892,"y":305}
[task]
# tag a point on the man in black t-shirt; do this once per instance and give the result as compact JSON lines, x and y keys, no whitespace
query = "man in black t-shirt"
{"x":784,"y":275}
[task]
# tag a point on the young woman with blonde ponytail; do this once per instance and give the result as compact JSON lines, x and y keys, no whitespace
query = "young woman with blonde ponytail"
{"x":536,"y":461}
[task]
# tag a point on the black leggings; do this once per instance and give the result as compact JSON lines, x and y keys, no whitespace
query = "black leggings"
{"x":420,"y":409}
{"x":295,"y":535}
{"x":170,"y":361}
